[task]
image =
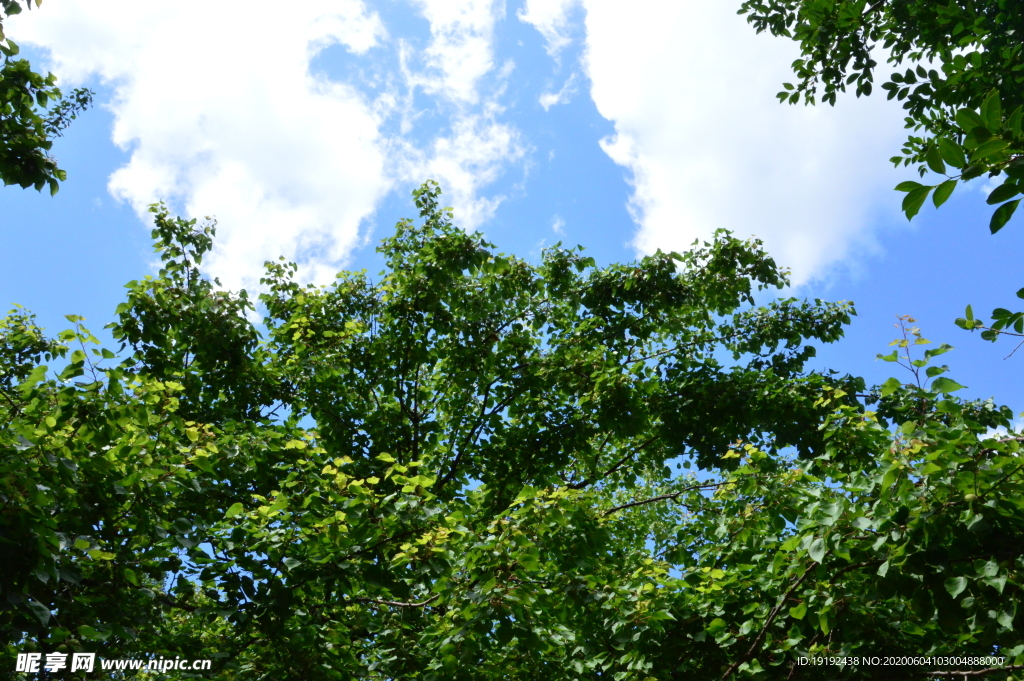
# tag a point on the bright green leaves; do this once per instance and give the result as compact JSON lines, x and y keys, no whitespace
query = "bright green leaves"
{"x":816,"y":550}
{"x":945,"y":385}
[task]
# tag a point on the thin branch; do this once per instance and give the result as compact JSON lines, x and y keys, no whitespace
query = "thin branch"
{"x":615,"y":467}
{"x":175,"y":604}
{"x":399,"y":604}
{"x":13,"y":403}
{"x":767,"y":623}
{"x":674,"y":495}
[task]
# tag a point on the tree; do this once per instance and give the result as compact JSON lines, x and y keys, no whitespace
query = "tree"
{"x":479,"y":468}
{"x":32,"y":113}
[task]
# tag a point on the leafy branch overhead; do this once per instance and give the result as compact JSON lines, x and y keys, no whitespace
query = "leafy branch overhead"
{"x":33,"y":111}
{"x":983,"y":143}
{"x":962,"y":92}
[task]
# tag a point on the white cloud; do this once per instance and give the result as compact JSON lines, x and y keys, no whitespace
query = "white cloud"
{"x":461,"y":49}
{"x":550,"y":99}
{"x":471,"y":157}
{"x":551,"y":19}
{"x":222,"y":116}
{"x":478,"y":147}
{"x":690,"y":89}
{"x":558,"y":225}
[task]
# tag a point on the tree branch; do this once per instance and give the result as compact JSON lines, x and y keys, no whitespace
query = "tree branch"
{"x":590,"y":481}
{"x":399,"y":604}
{"x":674,"y":495}
{"x":767,"y":623}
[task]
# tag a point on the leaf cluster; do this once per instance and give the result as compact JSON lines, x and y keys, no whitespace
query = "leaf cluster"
{"x":32,"y":113}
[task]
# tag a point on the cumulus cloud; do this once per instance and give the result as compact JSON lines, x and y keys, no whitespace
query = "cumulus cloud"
{"x":461,"y":47}
{"x":223,"y":116}
{"x":478,"y":146}
{"x":690,"y":90}
{"x":551,"y":19}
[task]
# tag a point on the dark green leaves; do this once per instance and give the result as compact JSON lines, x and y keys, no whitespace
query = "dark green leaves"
{"x":33,"y":112}
{"x":1002,"y":215}
{"x":943,"y":192}
{"x":951,"y":152}
{"x":916,"y":195}
{"x":1005,"y":191}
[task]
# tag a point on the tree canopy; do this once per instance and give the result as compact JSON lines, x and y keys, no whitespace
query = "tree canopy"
{"x":474,"y":467}
{"x":32,"y":113}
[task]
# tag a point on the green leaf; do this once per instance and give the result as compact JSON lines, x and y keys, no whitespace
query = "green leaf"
{"x":968,"y":120}
{"x":1002,"y":215}
{"x":955,"y":585}
{"x":41,"y":612}
{"x":945,"y":385}
{"x":798,"y":612}
{"x":943,"y":192}
{"x":934,"y":160}
{"x":716,"y":626}
{"x":989,"y":149}
{"x":914,"y":200}
{"x":1003,"y":192}
{"x":1005,"y":619}
{"x":992,"y":111}
{"x":890,"y":386}
{"x":952,"y":153}
{"x":908,"y":186}
{"x":291,"y":563}
{"x":817,"y":550}
{"x":234,"y":510}
{"x":130,"y":575}
{"x":1013,"y":123}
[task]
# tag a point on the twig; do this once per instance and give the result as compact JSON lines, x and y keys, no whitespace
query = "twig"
{"x":652,"y":500}
{"x":767,"y":623}
{"x":399,"y":604}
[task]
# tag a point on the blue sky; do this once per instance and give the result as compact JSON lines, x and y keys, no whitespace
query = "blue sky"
{"x":625,"y":127}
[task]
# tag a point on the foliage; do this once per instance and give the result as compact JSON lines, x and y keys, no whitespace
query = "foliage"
{"x":964,"y":88}
{"x":464,"y":470}
{"x":32,"y":113}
